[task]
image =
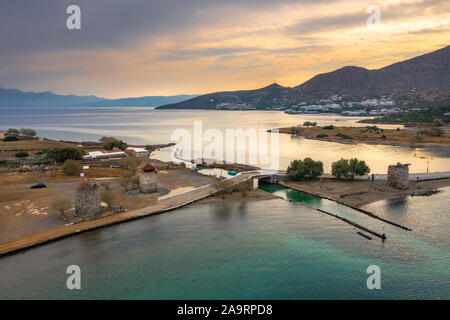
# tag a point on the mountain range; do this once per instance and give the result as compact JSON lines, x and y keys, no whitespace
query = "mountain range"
{"x":18,"y":98}
{"x":424,"y":78}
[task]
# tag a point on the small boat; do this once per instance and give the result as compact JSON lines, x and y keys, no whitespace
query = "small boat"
{"x":232,"y":173}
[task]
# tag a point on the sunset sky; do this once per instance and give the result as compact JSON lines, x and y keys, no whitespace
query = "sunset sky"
{"x":167,"y":47}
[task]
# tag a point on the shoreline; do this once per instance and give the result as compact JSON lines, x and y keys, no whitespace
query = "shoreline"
{"x":168,"y":204}
{"x":311,"y":133}
{"x":356,"y":194}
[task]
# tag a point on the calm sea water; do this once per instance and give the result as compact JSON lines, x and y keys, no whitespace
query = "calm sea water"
{"x":149,"y":126}
{"x":236,"y":250}
{"x":273,"y":249}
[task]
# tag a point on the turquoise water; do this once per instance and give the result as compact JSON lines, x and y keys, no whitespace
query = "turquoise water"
{"x":236,"y":250}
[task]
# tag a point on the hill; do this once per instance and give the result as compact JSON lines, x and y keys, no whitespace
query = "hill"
{"x":424,"y":78}
{"x":18,"y":98}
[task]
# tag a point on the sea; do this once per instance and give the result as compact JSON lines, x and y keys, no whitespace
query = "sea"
{"x":272,"y":249}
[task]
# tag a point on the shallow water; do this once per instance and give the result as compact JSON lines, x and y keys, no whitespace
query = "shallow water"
{"x":149,"y":126}
{"x":236,"y":250}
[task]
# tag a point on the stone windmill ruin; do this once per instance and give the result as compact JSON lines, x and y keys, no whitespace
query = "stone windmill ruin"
{"x":147,"y":179}
{"x":87,"y":199}
{"x":398,"y":176}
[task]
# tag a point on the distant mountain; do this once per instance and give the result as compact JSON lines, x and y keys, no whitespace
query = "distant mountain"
{"x":153,"y":101}
{"x":17,"y":98}
{"x":424,"y":78}
{"x":261,"y":98}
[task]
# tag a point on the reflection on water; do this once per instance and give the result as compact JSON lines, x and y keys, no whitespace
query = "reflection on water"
{"x":429,"y":217}
{"x":149,"y":126}
{"x":261,"y":250}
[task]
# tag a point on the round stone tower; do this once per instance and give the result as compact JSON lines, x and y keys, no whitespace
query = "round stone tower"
{"x":147,"y":179}
{"x":87,"y":199}
{"x":398,"y":176}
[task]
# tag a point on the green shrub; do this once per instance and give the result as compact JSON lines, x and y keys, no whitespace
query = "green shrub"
{"x":344,"y":136}
{"x":62,"y":154}
{"x":111,"y":143}
{"x":322,"y":135}
{"x":309,"y":124}
{"x":306,"y":169}
{"x":10,"y":138}
{"x":72,"y":168}
{"x":22,"y":154}
{"x":331,"y":127}
{"x":345,"y":169}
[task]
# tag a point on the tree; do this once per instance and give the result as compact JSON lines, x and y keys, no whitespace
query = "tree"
{"x":28,"y":132}
{"x":12,"y":131}
{"x":62,"y":154}
{"x":22,"y":154}
{"x":61,"y":205}
{"x":149,"y":148}
{"x":309,"y":124}
{"x":111,"y":143}
{"x":348,"y":169}
{"x":306,"y":169}
{"x":72,"y":168}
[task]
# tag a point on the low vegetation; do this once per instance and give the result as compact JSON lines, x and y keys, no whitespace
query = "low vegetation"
{"x":108,"y":195}
{"x":306,"y":169}
{"x":432,"y":132}
{"x":10,"y":138}
{"x":373,"y":134}
{"x":348,"y":169}
{"x":130,"y":178}
{"x":62,"y":206}
{"x":432,"y":115}
{"x":72,"y":168}
{"x":22,"y":154}
{"x":223,"y":187}
{"x":111,"y":143}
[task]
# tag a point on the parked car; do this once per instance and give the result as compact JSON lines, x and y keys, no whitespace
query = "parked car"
{"x":39,"y":185}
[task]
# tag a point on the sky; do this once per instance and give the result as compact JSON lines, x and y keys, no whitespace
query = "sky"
{"x":166,"y":47}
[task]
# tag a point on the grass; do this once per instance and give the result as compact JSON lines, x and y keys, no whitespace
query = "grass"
{"x":31,"y":145}
{"x":366,"y":134}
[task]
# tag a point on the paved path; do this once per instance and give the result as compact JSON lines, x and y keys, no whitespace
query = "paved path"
{"x":160,"y":206}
